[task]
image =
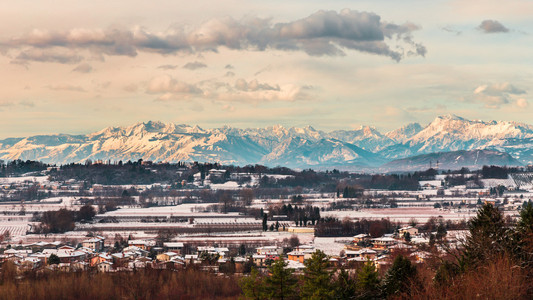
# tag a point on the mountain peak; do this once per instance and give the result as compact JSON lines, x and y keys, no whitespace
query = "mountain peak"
{"x":450,"y":117}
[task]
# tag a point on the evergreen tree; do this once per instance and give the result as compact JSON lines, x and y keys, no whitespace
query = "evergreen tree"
{"x":281,"y":284}
{"x":523,"y":236}
{"x":407,"y":237}
{"x":487,"y":238}
{"x":368,"y":281}
{"x":265,"y":226}
{"x":317,"y":279}
{"x":399,"y":276}
{"x":253,"y":285}
{"x":344,"y":286}
{"x":53,"y":259}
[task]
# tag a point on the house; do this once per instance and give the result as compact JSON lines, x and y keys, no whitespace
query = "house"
{"x":383,"y":242}
{"x":104,"y":266}
{"x":364,"y":253}
{"x":259,"y":259}
{"x":410,"y":229}
{"x":143,"y":244}
{"x":173,"y":246}
{"x":191,"y":258}
{"x":296,"y":256}
{"x":269,"y":251}
{"x":166,"y":256}
{"x":94,"y":261}
{"x":360,"y":238}
{"x":96,"y":243}
{"x":240,"y":262}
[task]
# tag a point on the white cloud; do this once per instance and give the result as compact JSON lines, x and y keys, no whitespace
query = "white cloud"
{"x":169,"y":88}
{"x":522,"y":103}
{"x":497,"y":94}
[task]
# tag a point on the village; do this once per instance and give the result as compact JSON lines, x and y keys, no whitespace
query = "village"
{"x":226,"y":222}
{"x":96,"y":254}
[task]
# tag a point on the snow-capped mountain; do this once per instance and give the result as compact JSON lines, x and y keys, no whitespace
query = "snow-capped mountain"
{"x":276,"y":145}
{"x":453,"y":133}
{"x":366,"y":137}
{"x":404,"y":133}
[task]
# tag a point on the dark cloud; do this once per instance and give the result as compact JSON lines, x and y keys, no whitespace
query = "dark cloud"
{"x":492,"y":26}
{"x":194,"y":65}
{"x":254,"y":85}
{"x":229,"y":67}
{"x":83,"y":68}
{"x":167,"y":67}
{"x":48,"y":55}
{"x":324,"y":33}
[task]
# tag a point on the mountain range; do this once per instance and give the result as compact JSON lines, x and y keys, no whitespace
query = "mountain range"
{"x":452,"y":140}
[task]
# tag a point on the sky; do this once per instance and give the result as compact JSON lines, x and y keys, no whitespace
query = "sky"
{"x":79,"y":66}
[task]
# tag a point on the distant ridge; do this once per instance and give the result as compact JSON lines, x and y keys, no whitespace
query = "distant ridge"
{"x":454,"y":160}
{"x":364,"y":147}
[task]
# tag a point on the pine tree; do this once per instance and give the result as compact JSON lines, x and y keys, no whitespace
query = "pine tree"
{"x":368,"y":281}
{"x":523,"y":236}
{"x":344,"y":286}
{"x":488,"y":237}
{"x":53,"y":259}
{"x":281,"y":284}
{"x":399,"y":276}
{"x":253,"y":286}
{"x":317,"y":279}
{"x":265,"y":226}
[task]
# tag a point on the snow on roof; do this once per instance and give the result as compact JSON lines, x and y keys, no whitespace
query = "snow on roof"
{"x":173,"y":245}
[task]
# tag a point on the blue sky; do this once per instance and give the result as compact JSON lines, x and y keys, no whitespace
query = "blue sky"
{"x":79,"y":66}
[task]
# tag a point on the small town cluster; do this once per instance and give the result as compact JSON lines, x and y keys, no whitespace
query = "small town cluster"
{"x":95,"y":254}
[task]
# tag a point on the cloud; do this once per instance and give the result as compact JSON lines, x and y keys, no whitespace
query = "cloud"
{"x":11,"y":104}
{"x":167,"y":67}
{"x":497,"y":94}
{"x":228,"y":107}
{"x":27,"y":103}
{"x":229,"y":67}
{"x":492,"y":26}
{"x":324,"y":33}
{"x":66,"y":87}
{"x":254,"y":85}
{"x":83,"y":68}
{"x":194,"y":65}
{"x":169,"y":88}
{"x":6,"y":103}
{"x":229,"y":74}
{"x":132,"y":88}
{"x":522,"y":103}
{"x":55,"y":55}
{"x":452,"y":30}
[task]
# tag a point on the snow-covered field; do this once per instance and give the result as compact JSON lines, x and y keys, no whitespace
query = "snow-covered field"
{"x":401,"y":214}
{"x":37,"y":179}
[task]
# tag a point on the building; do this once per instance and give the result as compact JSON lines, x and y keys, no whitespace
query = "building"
{"x":96,"y":243}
